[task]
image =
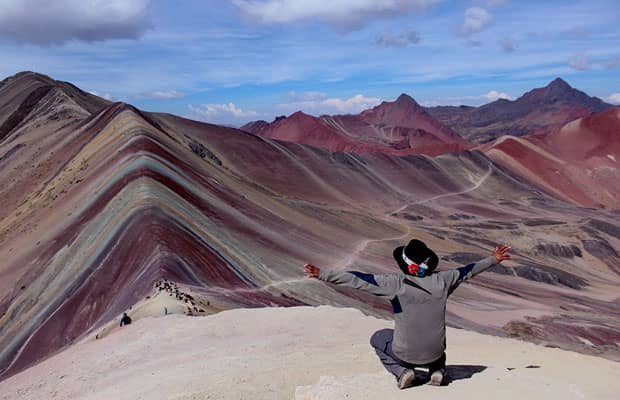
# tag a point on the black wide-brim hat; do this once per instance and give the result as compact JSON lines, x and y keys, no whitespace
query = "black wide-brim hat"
{"x":417,"y":251}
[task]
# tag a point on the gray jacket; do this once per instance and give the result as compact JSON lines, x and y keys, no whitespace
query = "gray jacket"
{"x":419,"y":305}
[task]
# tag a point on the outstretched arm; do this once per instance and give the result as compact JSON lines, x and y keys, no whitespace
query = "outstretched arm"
{"x":383,"y":285}
{"x":457,"y":276}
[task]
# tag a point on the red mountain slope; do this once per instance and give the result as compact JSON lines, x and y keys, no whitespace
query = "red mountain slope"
{"x":578,"y":162}
{"x":400,"y":127}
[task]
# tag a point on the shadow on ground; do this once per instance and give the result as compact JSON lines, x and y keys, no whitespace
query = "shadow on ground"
{"x":455,"y":373}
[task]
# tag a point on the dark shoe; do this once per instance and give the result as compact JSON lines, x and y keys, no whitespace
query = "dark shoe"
{"x":437,"y":377}
{"x":406,"y":379}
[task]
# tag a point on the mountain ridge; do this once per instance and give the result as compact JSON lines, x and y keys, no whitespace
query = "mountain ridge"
{"x":539,"y":110}
{"x":397,"y":127}
{"x":26,"y":91}
{"x":98,"y":208}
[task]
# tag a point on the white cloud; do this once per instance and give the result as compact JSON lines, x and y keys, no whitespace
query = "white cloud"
{"x":476,"y":19}
{"x":614,"y":98}
{"x":354,"y":104}
{"x":508,"y":45}
{"x":345,"y":14}
{"x":219,"y":112}
{"x":56,"y":22}
{"x":406,"y":39}
{"x":106,"y":96}
{"x":494,"y":95}
{"x":579,"y":62}
{"x":164,"y":94}
{"x":332,"y":105}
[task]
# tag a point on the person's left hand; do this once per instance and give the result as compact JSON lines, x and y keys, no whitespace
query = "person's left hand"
{"x":312,"y":271}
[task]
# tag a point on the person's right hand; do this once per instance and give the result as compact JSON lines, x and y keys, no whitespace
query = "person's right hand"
{"x":501,"y":253}
{"x":312,"y":271}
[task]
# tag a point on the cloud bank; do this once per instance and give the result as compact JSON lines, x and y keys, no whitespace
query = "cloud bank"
{"x":219,"y":112}
{"x":495,"y":95}
{"x":614,"y":98}
{"x":318,"y":103}
{"x":46,"y":23}
{"x":106,"y":96}
{"x":353,"y":104}
{"x":478,"y":100}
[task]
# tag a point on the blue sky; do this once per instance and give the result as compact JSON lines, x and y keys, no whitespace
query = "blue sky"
{"x":234,"y":61}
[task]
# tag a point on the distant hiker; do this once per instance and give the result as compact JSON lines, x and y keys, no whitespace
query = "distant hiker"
{"x":165,"y":310}
{"x":125,"y":320}
{"x":418,"y":298}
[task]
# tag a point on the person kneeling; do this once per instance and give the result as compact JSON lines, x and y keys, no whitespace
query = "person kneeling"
{"x":418,"y":297}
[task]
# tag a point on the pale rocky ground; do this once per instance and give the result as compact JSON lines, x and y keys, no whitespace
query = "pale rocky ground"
{"x":297,"y":353}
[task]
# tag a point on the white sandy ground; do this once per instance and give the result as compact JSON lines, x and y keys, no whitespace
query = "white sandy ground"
{"x":296,"y":353}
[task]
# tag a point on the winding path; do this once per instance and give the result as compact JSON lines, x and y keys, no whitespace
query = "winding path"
{"x":361,"y":246}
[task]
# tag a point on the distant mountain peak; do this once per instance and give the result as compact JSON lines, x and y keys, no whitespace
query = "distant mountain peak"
{"x":406,"y":101}
{"x":557,"y":90}
{"x":404,"y":97}
{"x":559,"y":81}
{"x":540,"y":110}
{"x":559,"y":85}
{"x":297,"y":115}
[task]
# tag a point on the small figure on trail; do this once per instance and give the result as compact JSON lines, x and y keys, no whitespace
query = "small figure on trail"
{"x":125,"y":319}
{"x":418,"y":298}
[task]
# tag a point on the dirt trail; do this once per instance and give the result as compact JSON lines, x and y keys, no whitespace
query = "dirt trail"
{"x":361,"y":246}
